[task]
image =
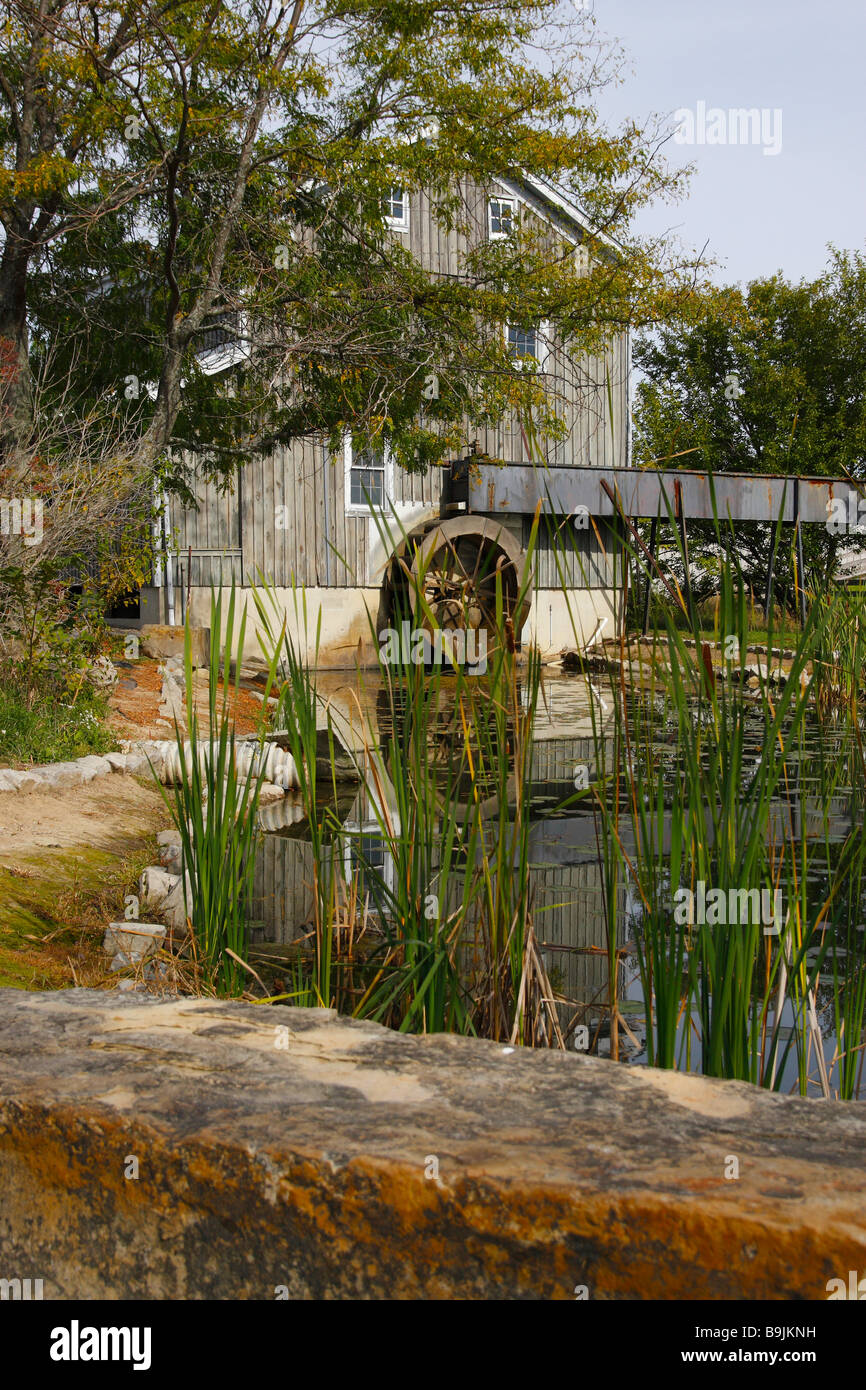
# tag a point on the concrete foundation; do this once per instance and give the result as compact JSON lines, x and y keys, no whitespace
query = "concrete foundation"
{"x":350,"y":618}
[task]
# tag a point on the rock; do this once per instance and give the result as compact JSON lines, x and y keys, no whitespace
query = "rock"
{"x":355,"y":1162}
{"x":157,"y":640}
{"x":93,"y":766}
{"x":154,"y":886}
{"x":117,"y":761}
{"x":268,"y":793}
{"x":168,"y":837}
{"x":12,"y":781}
{"x":128,"y":943}
{"x":63,"y":775}
{"x":28,"y":782}
{"x":138,"y":765}
{"x":172,"y":701}
{"x":102,"y":673}
{"x":171,"y":858}
{"x":174,"y":910}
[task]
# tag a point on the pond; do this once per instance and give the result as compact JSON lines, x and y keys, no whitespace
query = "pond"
{"x":576,"y":926}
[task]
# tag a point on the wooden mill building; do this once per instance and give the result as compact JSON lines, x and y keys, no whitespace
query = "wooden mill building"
{"x":307,"y":517}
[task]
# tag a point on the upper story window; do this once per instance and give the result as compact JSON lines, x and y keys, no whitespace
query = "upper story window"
{"x":500,"y":217}
{"x":523,"y":342}
{"x":366,"y":478}
{"x":395,"y":207}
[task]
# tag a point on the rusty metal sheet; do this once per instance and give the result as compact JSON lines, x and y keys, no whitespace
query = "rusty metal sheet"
{"x":741,"y":496}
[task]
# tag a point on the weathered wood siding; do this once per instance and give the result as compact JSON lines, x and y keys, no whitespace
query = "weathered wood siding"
{"x":288,"y":516}
{"x":212,"y":534}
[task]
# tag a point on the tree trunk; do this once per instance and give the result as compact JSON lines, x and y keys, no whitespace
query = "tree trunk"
{"x":15,"y":399}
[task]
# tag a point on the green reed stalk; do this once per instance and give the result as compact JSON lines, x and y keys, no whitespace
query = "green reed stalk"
{"x":214,"y":809}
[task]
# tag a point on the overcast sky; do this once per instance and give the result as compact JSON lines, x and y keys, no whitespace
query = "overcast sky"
{"x":761,"y":213}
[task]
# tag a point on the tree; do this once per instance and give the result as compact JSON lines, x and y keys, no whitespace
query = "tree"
{"x":770,"y":380}
{"x":213,"y":158}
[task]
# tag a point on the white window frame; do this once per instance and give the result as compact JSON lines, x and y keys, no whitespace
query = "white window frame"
{"x":399,"y":224}
{"x":362,"y":508}
{"x":503,"y":202}
{"x":371,"y":829}
{"x":542,"y":346}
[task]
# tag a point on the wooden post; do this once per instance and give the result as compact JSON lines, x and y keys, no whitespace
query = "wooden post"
{"x":768,"y":600}
{"x":801,"y":568}
{"x":678,"y":506}
{"x":646,"y":598}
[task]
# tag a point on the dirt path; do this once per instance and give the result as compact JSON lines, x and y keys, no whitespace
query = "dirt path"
{"x":134,"y":703}
{"x":108,"y":814}
{"x":67,"y":861}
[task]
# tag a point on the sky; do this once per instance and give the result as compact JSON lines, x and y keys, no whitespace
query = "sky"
{"x":761,"y":213}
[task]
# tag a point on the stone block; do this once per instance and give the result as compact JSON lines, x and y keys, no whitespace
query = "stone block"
{"x":63,"y":775}
{"x":355,"y":1162}
{"x":93,"y":766}
{"x":134,"y":941}
{"x":160,"y":641}
{"x":154,"y":887}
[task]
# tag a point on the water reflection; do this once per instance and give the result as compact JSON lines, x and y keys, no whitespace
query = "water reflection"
{"x":567,"y":873}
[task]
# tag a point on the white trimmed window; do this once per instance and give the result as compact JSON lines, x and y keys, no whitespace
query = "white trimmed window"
{"x":368,"y":478}
{"x":395,"y":207}
{"x":500,"y":218}
{"x":528,"y":344}
{"x":368,"y":862}
{"x":522,"y":342}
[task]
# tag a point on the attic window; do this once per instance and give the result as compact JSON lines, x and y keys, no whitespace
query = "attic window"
{"x":395,"y":207}
{"x":500,"y":217}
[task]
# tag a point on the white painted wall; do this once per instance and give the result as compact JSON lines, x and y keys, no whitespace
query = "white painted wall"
{"x":556,"y":621}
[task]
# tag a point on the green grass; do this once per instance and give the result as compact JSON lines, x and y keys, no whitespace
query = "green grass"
{"x":718,"y":993}
{"x":54,"y":729}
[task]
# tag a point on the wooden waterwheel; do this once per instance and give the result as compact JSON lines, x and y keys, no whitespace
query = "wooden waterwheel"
{"x":458,"y":565}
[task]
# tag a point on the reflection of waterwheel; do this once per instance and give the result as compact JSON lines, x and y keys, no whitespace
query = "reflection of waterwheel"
{"x":445,"y":753}
{"x":451,"y":571}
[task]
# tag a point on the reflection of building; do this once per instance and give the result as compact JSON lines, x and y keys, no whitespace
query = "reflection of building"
{"x":566,"y":877}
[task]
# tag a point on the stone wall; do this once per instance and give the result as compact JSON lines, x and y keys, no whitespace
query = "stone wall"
{"x":335,"y":1159}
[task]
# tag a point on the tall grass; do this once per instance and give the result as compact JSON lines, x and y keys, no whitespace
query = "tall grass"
{"x":214,"y":808}
{"x":719,"y":993}
{"x":447,"y":919}
{"x":299,"y":714}
{"x":436,"y":930}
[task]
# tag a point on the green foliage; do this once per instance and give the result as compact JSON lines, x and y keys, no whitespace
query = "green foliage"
{"x":38,"y":727}
{"x":53,"y":633}
{"x":723,"y":997}
{"x":253,"y":182}
{"x":448,"y":925}
{"x":769,"y":380}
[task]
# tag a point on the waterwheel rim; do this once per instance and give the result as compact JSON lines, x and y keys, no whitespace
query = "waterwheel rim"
{"x":457,"y":568}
